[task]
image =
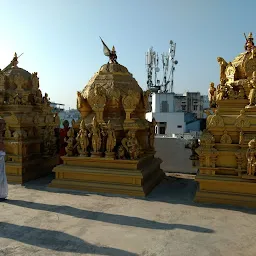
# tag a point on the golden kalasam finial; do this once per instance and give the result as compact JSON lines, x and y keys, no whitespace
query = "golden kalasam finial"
{"x":15,"y":60}
{"x":113,"y":49}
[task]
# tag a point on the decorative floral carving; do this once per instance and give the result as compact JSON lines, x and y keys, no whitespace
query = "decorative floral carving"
{"x":242,"y":120}
{"x":225,"y":138}
{"x":216,"y":120}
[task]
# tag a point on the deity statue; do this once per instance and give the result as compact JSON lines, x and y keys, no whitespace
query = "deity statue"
{"x":63,"y":137}
{"x":96,"y":136}
{"x":223,"y":65}
{"x":35,"y":80}
{"x":251,"y":157}
{"x":82,"y":139}
{"x":241,"y":94}
{"x":121,"y":152}
{"x":111,"y":139}
{"x":221,"y":90}
{"x":212,"y":95}
{"x":133,"y":145}
{"x":46,"y":100}
{"x":249,"y":44}
{"x":252,"y":94}
{"x":79,"y":100}
{"x":152,"y":132}
{"x":111,"y":54}
{"x":70,"y":142}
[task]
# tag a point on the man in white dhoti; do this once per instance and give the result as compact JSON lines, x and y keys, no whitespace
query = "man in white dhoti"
{"x":3,"y":179}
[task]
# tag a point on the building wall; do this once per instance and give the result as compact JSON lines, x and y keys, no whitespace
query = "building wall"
{"x":173,"y":122}
{"x":163,"y":102}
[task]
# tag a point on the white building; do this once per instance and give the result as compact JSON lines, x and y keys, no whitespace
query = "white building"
{"x":174,"y":113}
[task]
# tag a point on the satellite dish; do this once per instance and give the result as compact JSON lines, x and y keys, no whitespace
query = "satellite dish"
{"x":157,"y":69}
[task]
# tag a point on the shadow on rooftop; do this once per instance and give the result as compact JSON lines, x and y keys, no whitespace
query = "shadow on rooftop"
{"x":55,"y":240}
{"x":172,"y":190}
{"x":106,"y":217}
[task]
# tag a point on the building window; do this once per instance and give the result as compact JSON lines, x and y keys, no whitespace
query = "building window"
{"x":164,"y":106}
{"x":183,"y":108}
{"x":179,"y":126}
{"x":195,"y":107}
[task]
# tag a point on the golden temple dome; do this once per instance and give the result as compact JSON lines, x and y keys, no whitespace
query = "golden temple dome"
{"x":113,"y":94}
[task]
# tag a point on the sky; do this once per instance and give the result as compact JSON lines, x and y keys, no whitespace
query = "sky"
{"x":60,"y":38}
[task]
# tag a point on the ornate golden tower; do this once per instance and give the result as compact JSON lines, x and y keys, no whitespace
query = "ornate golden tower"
{"x":113,"y":150}
{"x":227,"y":152}
{"x":29,"y":138}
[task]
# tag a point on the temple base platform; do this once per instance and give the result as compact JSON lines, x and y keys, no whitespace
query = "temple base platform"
{"x":106,"y":175}
{"x":21,"y":172}
{"x":229,"y":190}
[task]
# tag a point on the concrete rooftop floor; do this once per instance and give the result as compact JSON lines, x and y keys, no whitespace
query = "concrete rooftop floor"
{"x":37,"y":220}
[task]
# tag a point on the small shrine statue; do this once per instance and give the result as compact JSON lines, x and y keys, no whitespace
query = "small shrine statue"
{"x":151,"y":137}
{"x":212,"y":95}
{"x":133,"y":145}
{"x":70,"y":142}
{"x":82,"y":139}
{"x":96,"y":136}
{"x":111,"y":139}
{"x":251,"y":157}
{"x":46,"y":100}
{"x":231,"y":93}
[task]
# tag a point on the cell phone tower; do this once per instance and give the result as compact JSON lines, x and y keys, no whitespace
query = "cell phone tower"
{"x":168,"y":62}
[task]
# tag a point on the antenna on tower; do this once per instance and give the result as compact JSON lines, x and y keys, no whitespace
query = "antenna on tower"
{"x":168,"y":64}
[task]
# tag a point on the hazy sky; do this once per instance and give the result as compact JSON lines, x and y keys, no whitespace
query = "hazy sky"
{"x":60,"y":38}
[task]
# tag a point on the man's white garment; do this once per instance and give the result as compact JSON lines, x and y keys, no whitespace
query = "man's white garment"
{"x":3,"y":179}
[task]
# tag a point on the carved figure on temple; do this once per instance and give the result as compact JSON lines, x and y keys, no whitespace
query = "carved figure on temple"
{"x":111,"y":54}
{"x":24,"y":100}
{"x":7,"y":133}
{"x":194,"y":146}
{"x":231,"y":93}
{"x":63,"y":137}
{"x":152,"y":132}
{"x":46,"y":100}
{"x":95,"y":135}
{"x":121,"y":152}
{"x":225,"y":138}
{"x":133,"y":145}
{"x":82,"y":139}
{"x":251,"y":157}
{"x":70,"y":142}
{"x":212,"y":95}
{"x":79,"y":100}
{"x":252,"y":94}
{"x":35,"y":80}
{"x":223,"y":65}
{"x":249,"y":44}
{"x":220,"y":94}
{"x":241,"y":94}
{"x":111,"y":139}
{"x":241,"y":138}
{"x":46,"y":142}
